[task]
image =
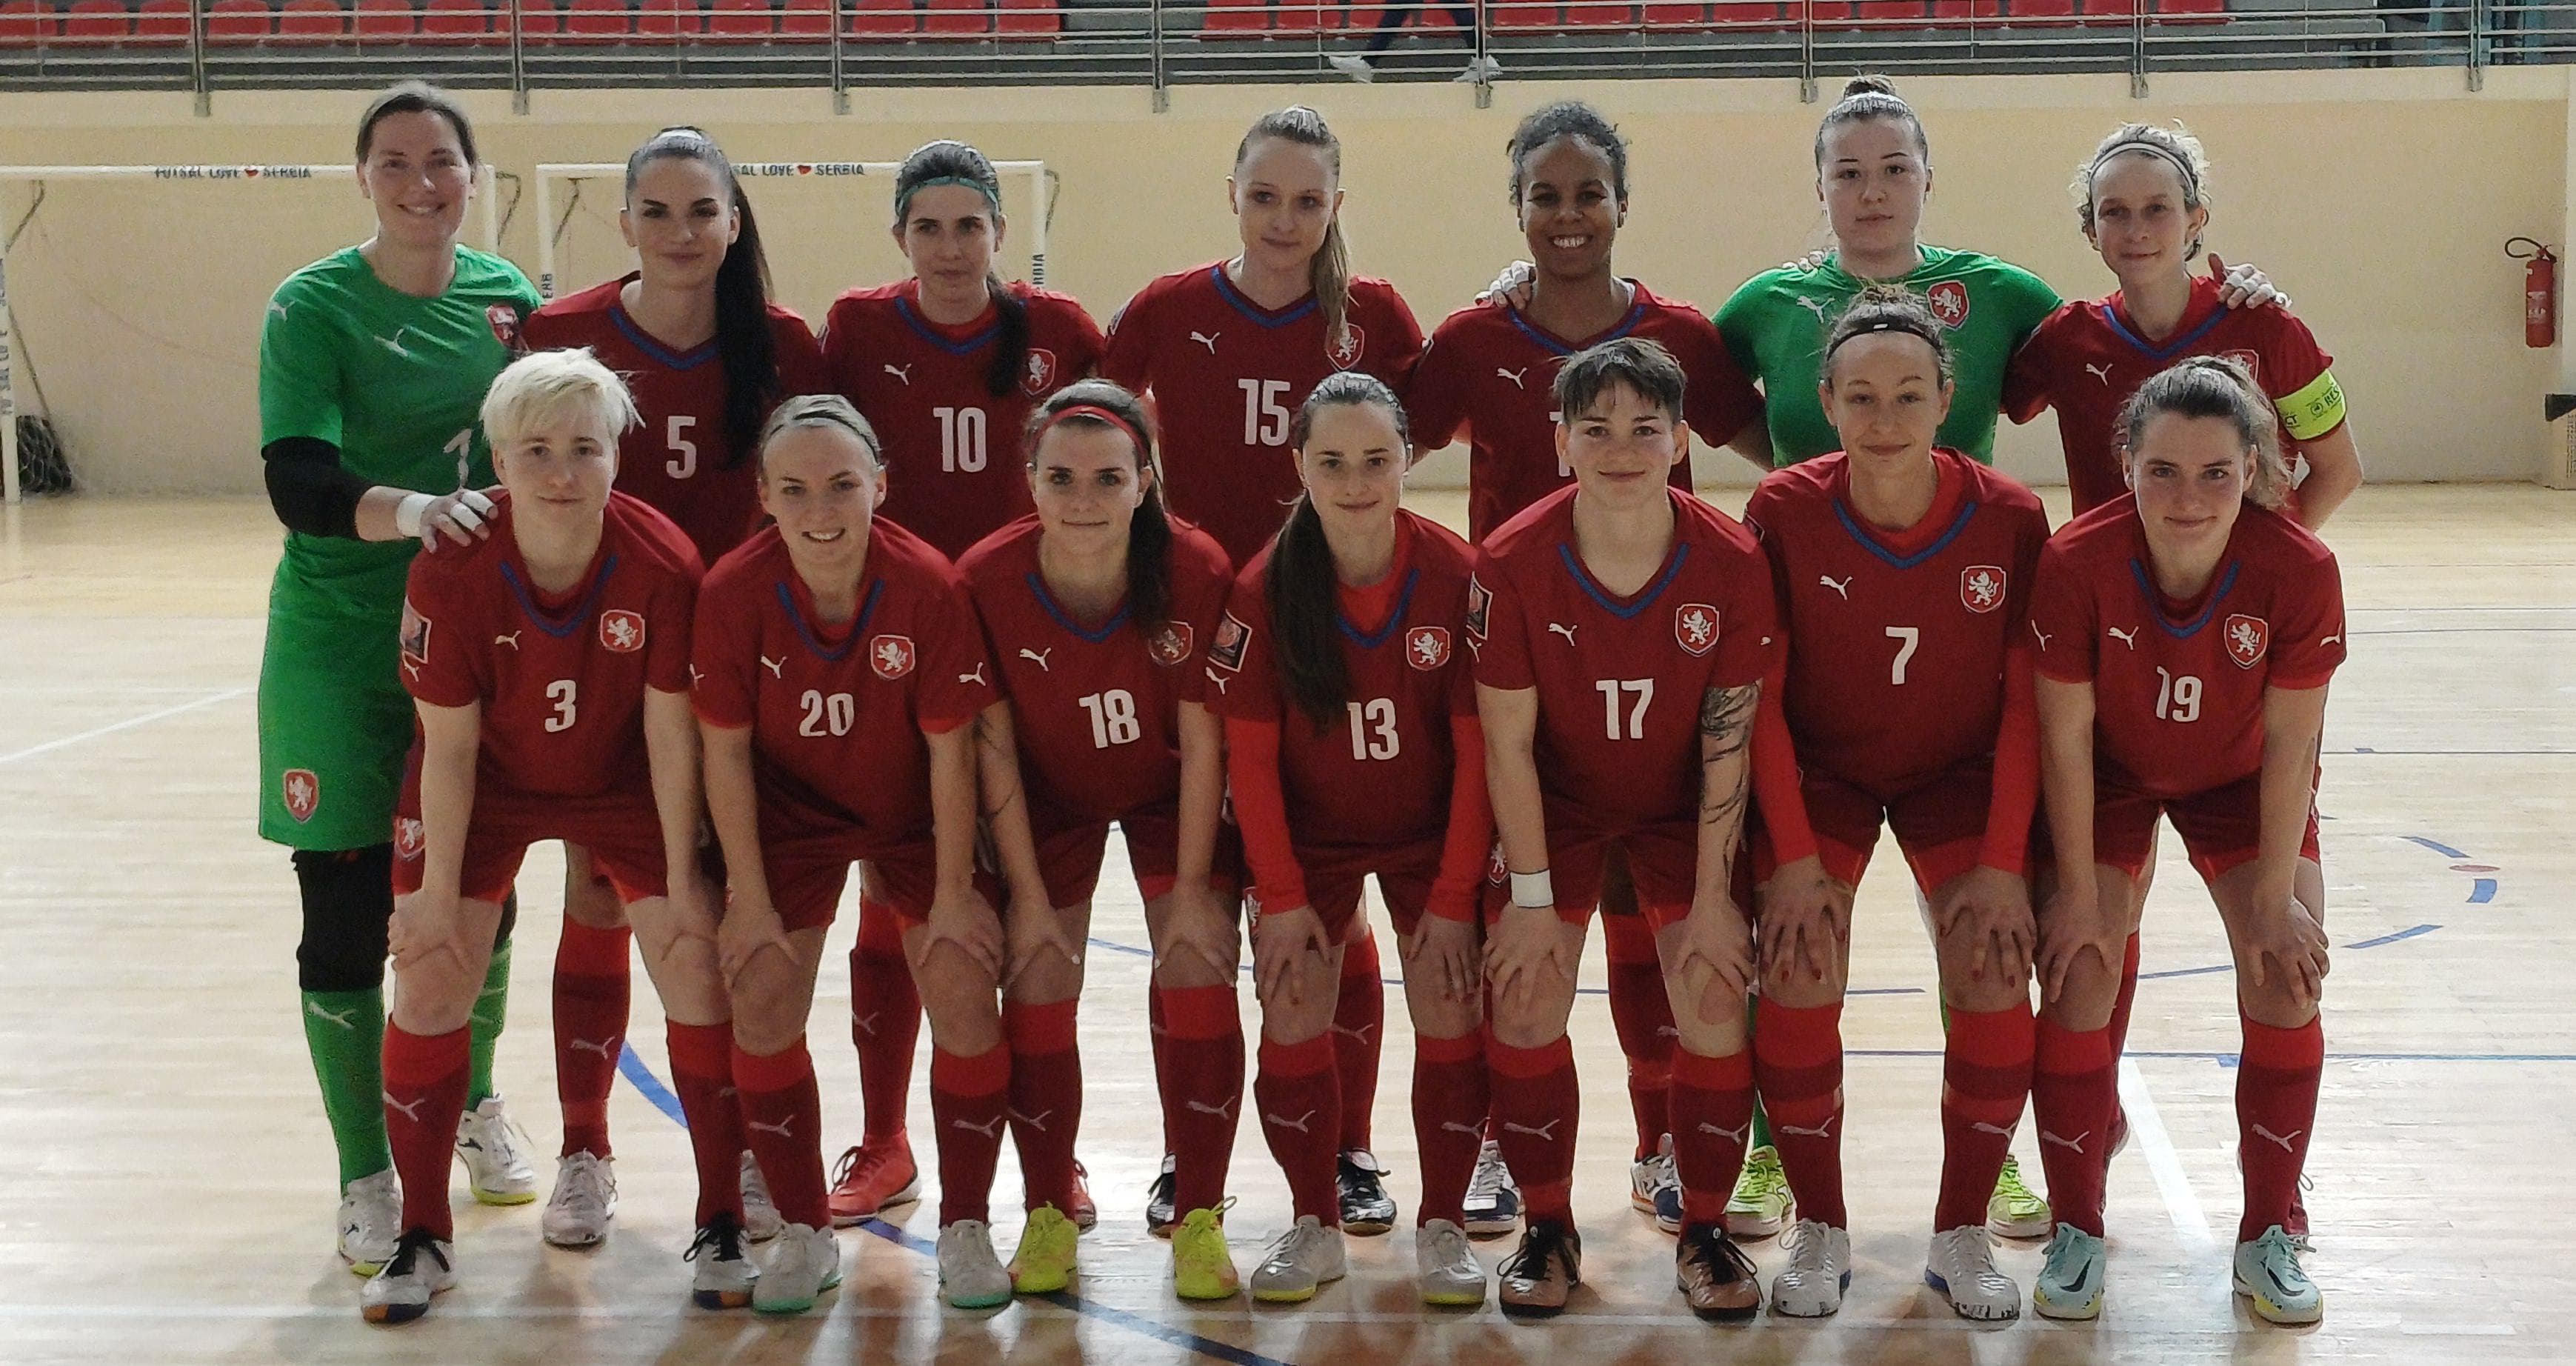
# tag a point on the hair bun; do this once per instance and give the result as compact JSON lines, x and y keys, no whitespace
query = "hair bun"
{"x":1871,"y":84}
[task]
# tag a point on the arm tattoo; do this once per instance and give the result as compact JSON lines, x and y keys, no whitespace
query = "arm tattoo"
{"x":1726,"y":722}
{"x":997,"y":797}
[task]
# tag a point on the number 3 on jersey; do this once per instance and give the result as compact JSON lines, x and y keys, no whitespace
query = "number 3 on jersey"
{"x":1265,"y":411}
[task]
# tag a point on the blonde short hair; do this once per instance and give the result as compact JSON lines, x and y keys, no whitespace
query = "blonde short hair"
{"x":545,"y":387}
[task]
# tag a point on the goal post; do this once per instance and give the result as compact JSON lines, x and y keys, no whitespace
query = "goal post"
{"x":550,"y":172}
{"x":39,"y":176}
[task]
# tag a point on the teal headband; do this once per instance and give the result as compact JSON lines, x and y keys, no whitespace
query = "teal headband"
{"x":904,"y":204}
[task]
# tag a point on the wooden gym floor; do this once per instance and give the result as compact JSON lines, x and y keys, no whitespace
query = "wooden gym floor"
{"x":165,"y":1178}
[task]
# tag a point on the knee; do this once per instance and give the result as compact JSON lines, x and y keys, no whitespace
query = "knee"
{"x":1793,"y":986}
{"x":2272,"y":1005}
{"x":348,"y":898}
{"x":2084,"y":1002}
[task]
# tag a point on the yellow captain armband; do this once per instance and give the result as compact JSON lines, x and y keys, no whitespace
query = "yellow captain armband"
{"x":2314,"y":410}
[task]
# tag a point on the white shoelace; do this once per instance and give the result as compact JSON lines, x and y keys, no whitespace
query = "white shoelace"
{"x":583,"y":1188}
{"x":1966,"y":1249}
{"x":1489,"y":1178}
{"x":1810,"y":1243}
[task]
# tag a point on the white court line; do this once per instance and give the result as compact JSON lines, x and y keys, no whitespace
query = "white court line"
{"x":2148,"y":1128}
{"x":129,"y":723}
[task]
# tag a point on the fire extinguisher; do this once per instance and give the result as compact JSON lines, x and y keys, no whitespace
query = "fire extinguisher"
{"x":2539,"y":293}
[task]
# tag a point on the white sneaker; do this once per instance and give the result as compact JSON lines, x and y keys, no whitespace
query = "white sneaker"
{"x":495,"y":1150}
{"x":1302,"y":1259}
{"x":1819,"y":1271}
{"x":421,"y":1266}
{"x":760,"y":1218}
{"x":725,"y":1275}
{"x":1655,"y":1187}
{"x":1962,"y":1267}
{"x":370,"y":1221}
{"x":1493,"y":1198}
{"x":2269,"y":1274}
{"x":803,"y":1263}
{"x":970,"y":1272}
{"x":1353,"y":65}
{"x":584,"y":1201}
{"x":1480,"y":71}
{"x":1449,"y":1271}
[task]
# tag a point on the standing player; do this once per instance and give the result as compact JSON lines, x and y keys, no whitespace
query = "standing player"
{"x":372,"y":362}
{"x":551,"y":667}
{"x":944,"y":366}
{"x":1353,"y":749}
{"x":1229,"y":350}
{"x":2186,"y":635}
{"x":1903,"y":571}
{"x":706,"y":356}
{"x":1098,"y":611}
{"x":1622,"y":630}
{"x":2144,"y":206}
{"x":841,"y":689}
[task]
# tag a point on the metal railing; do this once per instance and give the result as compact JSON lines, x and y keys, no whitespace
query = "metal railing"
{"x":206,"y":45}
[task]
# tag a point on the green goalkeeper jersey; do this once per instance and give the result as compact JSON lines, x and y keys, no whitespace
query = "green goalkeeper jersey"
{"x":395,"y":382}
{"x":1775,"y":326}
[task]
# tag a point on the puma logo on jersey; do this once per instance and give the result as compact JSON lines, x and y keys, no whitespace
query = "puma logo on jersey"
{"x":780,"y":1128}
{"x":394,"y":343}
{"x":1562,"y":629}
{"x":1514,"y":376}
{"x":2043,"y":635}
{"x":1734,"y":1135}
{"x":1451,"y":1126}
{"x":2324,"y":641}
{"x":1815,"y":306}
{"x":777,"y":667}
{"x":1997,"y":1130}
{"x":511,"y":640}
{"x":901,"y":372}
{"x":410,"y":1112}
{"x":314,"y":1009}
{"x":1824,"y":1130}
{"x":976,"y":677}
{"x":1206,"y":339}
{"x":1225,"y":1111}
{"x":1545,"y":1133}
{"x":1298,"y":1124}
{"x":2076,"y":1144}
{"x":605,"y":1048}
{"x":412,"y":668}
{"x":1036,"y":1121}
{"x":277,"y":307}
{"x":992,"y":1129}
{"x":1219,"y":680}
{"x":2128,"y":637}
{"x":1039,"y":656}
{"x":2100,"y":372}
{"x":1841,"y":590}
{"x":2282,"y":1139}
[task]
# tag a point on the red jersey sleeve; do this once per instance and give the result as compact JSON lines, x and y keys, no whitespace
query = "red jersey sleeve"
{"x":2062,"y":622}
{"x":1127,"y":352}
{"x":1090,"y":347}
{"x":1748,"y":644}
{"x":2014,"y":797}
{"x":1402,"y":346}
{"x":1495,"y":630}
{"x":441,"y":662}
{"x":666,"y":642}
{"x":801,"y":369}
{"x":1431,"y":398}
{"x":1240,"y":662}
{"x":956,"y":670}
{"x":1469,"y":839}
{"x":1200,"y":578}
{"x":722,"y":661}
{"x":2030,"y":378}
{"x":1719,"y":400}
{"x":2307,"y":642}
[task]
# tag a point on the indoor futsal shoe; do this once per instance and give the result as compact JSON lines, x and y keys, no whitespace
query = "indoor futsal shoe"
{"x":370,"y":1221}
{"x":1449,"y":1273}
{"x":725,"y":1276}
{"x":1367,"y":1209}
{"x":422,"y":1265}
{"x":1541,"y":1274}
{"x":873,"y":1177}
{"x":1819,"y":1270}
{"x":1159,"y":1214}
{"x":1761,"y":1203}
{"x":1081,"y":1208}
{"x":2268,"y":1274}
{"x":2070,"y":1276}
{"x":970,"y":1272}
{"x":1715,"y":1277}
{"x":495,"y":1151}
{"x":1202,"y":1267}
{"x":803,"y":1263}
{"x":1962,"y":1267}
{"x":1299,"y":1263}
{"x":1655,"y":1187}
{"x":583,"y":1203}
{"x":1043,"y":1262}
{"x":760,"y":1217}
{"x":1493,"y":1199}
{"x":2015,"y":1210}
{"x":1353,"y":65}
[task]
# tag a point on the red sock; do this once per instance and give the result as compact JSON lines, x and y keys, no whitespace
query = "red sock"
{"x":702,"y":1075}
{"x":1046,"y":1098}
{"x":885,"y":1020}
{"x":2074,"y":1087}
{"x":970,"y":1101}
{"x":1798,"y":1059}
{"x":1712,"y":1110}
{"x":424,"y":1097}
{"x":1298,"y":1091}
{"x":592,"y":987}
{"x":1202,"y":1088}
{"x":1985,"y":1082}
{"x":2121,"y":1003}
{"x":1358,"y":1035}
{"x":1537,"y":1104}
{"x":1156,"y":1029}
{"x":2276,"y":1109}
{"x":1449,"y":1099}
{"x":1641,"y":1011}
{"x":782,"y":1113}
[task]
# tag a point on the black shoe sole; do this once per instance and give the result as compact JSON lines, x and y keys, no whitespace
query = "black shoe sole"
{"x":1369,"y":1228}
{"x":1745,"y":1315}
{"x":1530,"y":1311}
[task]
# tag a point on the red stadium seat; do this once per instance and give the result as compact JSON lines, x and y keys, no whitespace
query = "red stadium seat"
{"x":1967,"y":13}
{"x":1029,"y":20}
{"x":236,"y":23}
{"x":312,"y":21}
{"x":882,"y":19}
{"x":27,"y":23}
{"x":97,"y":23}
{"x":1676,"y":18}
{"x":669,"y":19}
{"x":1235,"y":19}
{"x":956,"y":19}
{"x":1744,"y":14}
{"x":464,"y":22}
{"x":539,"y":20}
{"x":805,"y":21}
{"x":161,"y":23}
{"x":597,"y":21}
{"x":742,"y":21}
{"x":1890,"y":13}
{"x":1599,"y":14}
{"x":2040,"y":13}
{"x":391,"y":21}
{"x":1516,"y":14}
{"x":2189,"y":11}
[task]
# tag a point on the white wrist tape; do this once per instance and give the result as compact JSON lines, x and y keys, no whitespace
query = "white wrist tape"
{"x":1535,"y":891}
{"x":408,"y":512}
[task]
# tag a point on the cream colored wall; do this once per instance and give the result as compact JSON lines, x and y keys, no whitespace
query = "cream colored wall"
{"x":2378,"y":198}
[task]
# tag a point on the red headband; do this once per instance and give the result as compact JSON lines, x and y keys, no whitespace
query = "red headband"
{"x":1111,"y":416}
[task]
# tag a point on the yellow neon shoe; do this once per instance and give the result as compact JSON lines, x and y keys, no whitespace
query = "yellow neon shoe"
{"x":1043,"y":1264}
{"x":1202,"y":1268}
{"x":2015,"y":1210}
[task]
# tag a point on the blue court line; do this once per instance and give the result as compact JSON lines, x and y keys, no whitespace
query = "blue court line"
{"x":633,"y":1069}
{"x":2482,"y":891}
{"x":2435,"y":845}
{"x":2408,"y":933}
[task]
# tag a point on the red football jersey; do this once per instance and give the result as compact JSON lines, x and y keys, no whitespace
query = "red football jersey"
{"x":952,"y":447}
{"x":1228,"y":375}
{"x":1620,"y":680}
{"x":1097,"y":708}
{"x":1493,"y":372}
{"x":2087,"y":359}
{"x":2178,"y":687}
{"x":837,"y":713}
{"x":1378,"y":776}
{"x":679,"y":459}
{"x":1896,"y":639}
{"x":561,"y":679}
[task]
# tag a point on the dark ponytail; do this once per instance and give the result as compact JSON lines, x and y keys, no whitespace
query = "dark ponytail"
{"x":948,"y":162}
{"x":1149,"y":528}
{"x":745,"y":346}
{"x":1302,"y":592}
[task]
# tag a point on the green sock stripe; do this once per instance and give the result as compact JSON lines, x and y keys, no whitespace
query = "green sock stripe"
{"x":344,"y":1031}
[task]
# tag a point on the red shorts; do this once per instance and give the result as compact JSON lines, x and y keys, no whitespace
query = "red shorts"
{"x":1404,"y":872}
{"x":2221,"y":828}
{"x":621,"y":830}
{"x":1071,"y":848}
{"x":1663,"y":864}
{"x":1940,"y":826}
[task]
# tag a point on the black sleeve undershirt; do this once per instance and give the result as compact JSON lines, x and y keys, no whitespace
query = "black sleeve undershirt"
{"x":309,"y":489}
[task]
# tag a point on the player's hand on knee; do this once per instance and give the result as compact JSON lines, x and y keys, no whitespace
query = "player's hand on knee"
{"x":1037,"y":936}
{"x":1717,"y":958}
{"x":424,"y":929}
{"x":1528,"y":952}
{"x":961,"y":920}
{"x":750,"y":928}
{"x":1989,"y":910}
{"x":1289,"y":949}
{"x":1442,"y":951}
{"x":2076,"y":920}
{"x":1805,"y":921}
{"x":1199,"y":926}
{"x":2289,"y":952}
